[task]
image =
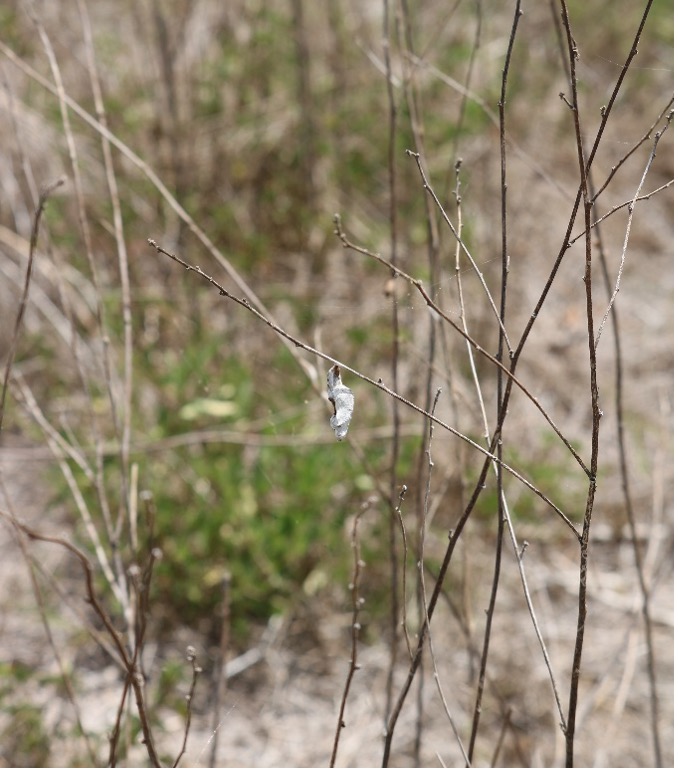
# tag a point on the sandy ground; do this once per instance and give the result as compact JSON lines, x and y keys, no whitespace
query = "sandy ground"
{"x":282,"y":711}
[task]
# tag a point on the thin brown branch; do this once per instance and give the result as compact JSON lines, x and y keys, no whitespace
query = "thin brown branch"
{"x":624,"y":205}
{"x":375,"y":383}
{"x":66,"y":679}
{"x":595,"y":407}
{"x":509,"y":372}
{"x":422,"y":582}
{"x":453,"y":230}
{"x":23,"y":302}
{"x":197,"y":670}
{"x":220,"y":666}
{"x":653,"y":154}
{"x":357,"y":601}
{"x":133,"y":675}
{"x":395,"y":600}
{"x":489,"y":616}
{"x":668,"y":112}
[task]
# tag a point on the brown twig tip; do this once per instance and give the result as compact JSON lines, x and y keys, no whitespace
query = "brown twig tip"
{"x":569,"y":103}
{"x":49,"y":188}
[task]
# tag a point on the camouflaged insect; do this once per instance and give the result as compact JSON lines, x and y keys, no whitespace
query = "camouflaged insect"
{"x":341,"y":398}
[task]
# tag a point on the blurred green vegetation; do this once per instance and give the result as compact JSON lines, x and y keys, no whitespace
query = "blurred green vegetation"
{"x":262,"y":145}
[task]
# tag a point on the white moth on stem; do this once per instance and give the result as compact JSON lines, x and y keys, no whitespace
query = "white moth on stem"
{"x":341,"y":398}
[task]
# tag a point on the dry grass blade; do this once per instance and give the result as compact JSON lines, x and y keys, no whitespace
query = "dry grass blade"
{"x":23,"y":303}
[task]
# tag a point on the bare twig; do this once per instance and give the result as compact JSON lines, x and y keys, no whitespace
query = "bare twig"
{"x":358,"y":601}
{"x":624,"y":205}
{"x":453,"y":230}
{"x":506,"y":720}
{"x":133,"y":676}
{"x":422,"y":580}
{"x":395,"y":358}
{"x":30,"y":562}
{"x":414,"y":109}
{"x":626,"y":489}
{"x":398,"y":515}
{"x":519,"y":553}
{"x":376,"y":383}
{"x":509,"y":372}
{"x":489,"y":616}
{"x":219,"y":668}
{"x":197,"y":670}
{"x":668,"y":112}
{"x":23,"y":303}
{"x":595,"y":408}
{"x":632,"y":205}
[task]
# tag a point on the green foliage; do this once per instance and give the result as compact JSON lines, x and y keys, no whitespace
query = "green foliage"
{"x":267,"y":518}
{"x":547,"y":467}
{"x":24,"y":740}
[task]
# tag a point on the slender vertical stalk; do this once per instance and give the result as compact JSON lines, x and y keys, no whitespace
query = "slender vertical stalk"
{"x":23,"y":302}
{"x":500,"y":388}
{"x":308,"y":131}
{"x":595,"y":406}
{"x":395,"y":355}
{"x":413,"y":97}
{"x":123,"y":267}
{"x":219,"y":668}
{"x":353,"y":666}
{"x":630,"y":510}
{"x":585,"y":166}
